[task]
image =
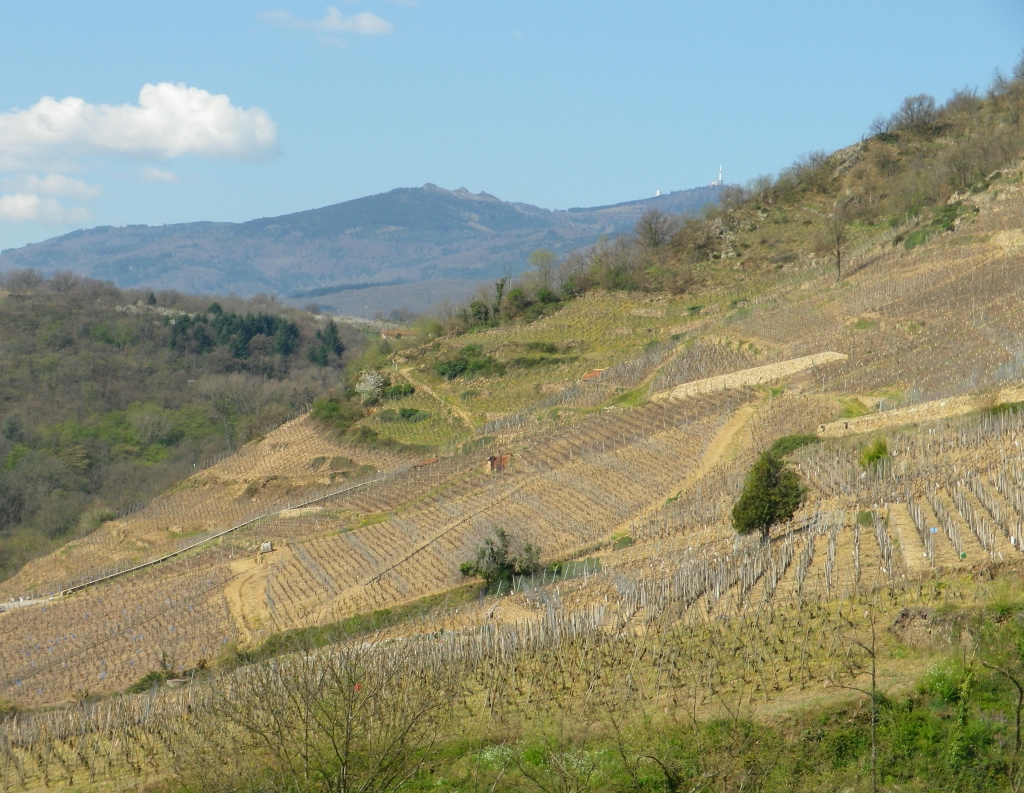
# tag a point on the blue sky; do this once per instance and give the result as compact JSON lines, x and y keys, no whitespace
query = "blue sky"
{"x":258,"y":109}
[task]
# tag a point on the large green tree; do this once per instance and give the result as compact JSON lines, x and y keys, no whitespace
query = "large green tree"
{"x":771,"y":494}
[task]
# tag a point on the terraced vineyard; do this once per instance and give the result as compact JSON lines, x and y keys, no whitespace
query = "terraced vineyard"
{"x":709,"y":616}
{"x":656,"y":597}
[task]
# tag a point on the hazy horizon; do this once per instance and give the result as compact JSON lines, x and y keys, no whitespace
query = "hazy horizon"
{"x":160,"y":115}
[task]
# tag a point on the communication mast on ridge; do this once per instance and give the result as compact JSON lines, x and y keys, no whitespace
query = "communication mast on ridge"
{"x":718,"y":183}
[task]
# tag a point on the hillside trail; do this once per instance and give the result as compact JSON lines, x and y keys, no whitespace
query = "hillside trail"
{"x":724,"y":443}
{"x":461,"y":412}
{"x":909,"y":543}
{"x":244,"y":593}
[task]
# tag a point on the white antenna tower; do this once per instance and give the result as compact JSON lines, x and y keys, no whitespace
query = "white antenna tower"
{"x":720,"y":174}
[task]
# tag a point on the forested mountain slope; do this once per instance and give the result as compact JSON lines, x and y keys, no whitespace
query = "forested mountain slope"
{"x":406,"y":235}
{"x":108,"y":397}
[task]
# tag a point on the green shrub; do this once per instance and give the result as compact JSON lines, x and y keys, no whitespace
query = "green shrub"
{"x":147,"y":681}
{"x":916,"y":238}
{"x":450,"y":369}
{"x":496,"y":561}
{"x":1006,"y":407}
{"x":336,"y":411}
{"x":772,"y":492}
{"x":944,"y":681}
{"x":873,"y":454}
{"x":790,"y":443}
{"x":471,"y":361}
{"x":367,"y":436}
{"x":529,"y":361}
{"x":397,"y":391}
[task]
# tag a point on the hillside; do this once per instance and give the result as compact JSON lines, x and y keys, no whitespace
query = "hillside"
{"x":588,"y":430}
{"x":109,"y":397}
{"x":405,"y":235}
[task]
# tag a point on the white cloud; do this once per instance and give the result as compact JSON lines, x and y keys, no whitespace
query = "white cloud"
{"x":29,"y":207}
{"x":170,"y":120}
{"x":364,"y":23}
{"x":159,"y":175}
{"x":52,"y":184}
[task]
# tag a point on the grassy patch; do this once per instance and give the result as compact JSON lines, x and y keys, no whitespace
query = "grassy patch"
{"x":301,"y":639}
{"x":530,"y":361}
{"x":546,"y":347}
{"x":407,"y":414}
{"x":621,"y":541}
{"x":336,"y":411}
{"x":632,"y":398}
{"x":1005,"y":407}
{"x":916,"y":238}
{"x":372,"y":519}
{"x":470,"y":361}
{"x":371,"y":439}
{"x":874,"y":453}
{"x":790,"y":443}
{"x":852,"y":408}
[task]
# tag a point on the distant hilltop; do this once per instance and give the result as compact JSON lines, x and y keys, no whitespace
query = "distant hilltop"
{"x":404,"y":236}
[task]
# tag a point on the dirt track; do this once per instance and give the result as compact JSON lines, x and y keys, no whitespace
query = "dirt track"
{"x":244,"y":593}
{"x":723,"y":441}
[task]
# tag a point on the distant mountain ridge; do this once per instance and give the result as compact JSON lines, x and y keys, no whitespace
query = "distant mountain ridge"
{"x":406,"y":235}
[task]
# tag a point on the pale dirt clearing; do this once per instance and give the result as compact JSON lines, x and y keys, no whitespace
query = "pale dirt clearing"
{"x":244,"y":593}
{"x":901,"y":526}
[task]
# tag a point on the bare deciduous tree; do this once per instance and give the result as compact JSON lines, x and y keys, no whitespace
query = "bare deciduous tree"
{"x":543,"y":261}
{"x":351,"y":719}
{"x":655,"y":228}
{"x":835,"y":234}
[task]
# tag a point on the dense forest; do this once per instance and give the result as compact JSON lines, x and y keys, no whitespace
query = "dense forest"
{"x":108,"y":396}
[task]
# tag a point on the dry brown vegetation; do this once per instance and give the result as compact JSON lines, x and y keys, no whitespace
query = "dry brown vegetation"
{"x":671,"y":618}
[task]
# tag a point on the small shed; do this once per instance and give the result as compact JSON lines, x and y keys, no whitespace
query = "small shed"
{"x":267,"y":547}
{"x":497,"y":463}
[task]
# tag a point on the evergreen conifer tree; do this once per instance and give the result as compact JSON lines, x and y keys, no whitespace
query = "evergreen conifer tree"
{"x":771,"y":494}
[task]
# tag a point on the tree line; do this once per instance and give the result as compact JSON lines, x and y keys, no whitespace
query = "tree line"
{"x":902,"y":175}
{"x":109,"y":396}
